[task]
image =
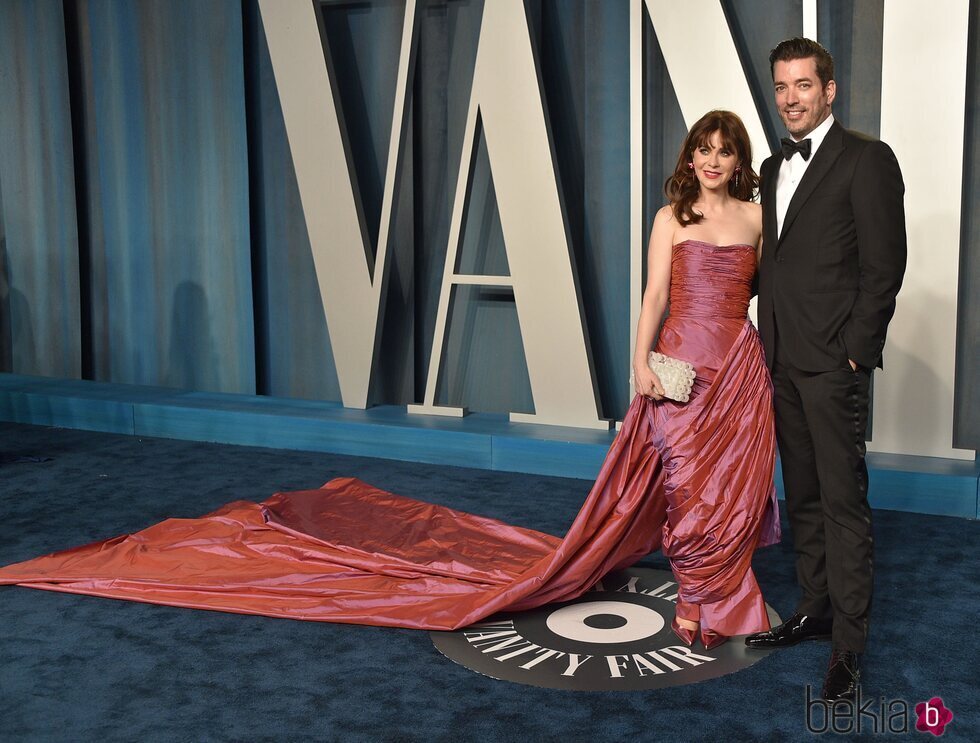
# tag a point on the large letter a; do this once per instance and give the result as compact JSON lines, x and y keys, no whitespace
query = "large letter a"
{"x":506,"y":100}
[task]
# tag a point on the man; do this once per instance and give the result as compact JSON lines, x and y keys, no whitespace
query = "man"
{"x":833,"y":258}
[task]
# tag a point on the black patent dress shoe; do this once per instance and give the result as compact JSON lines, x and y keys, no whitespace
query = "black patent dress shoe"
{"x":797,"y":628}
{"x":843,"y":676}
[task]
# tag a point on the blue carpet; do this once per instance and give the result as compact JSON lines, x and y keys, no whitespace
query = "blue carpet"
{"x":75,"y":668}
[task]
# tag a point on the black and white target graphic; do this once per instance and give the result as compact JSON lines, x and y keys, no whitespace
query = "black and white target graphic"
{"x":615,"y":637}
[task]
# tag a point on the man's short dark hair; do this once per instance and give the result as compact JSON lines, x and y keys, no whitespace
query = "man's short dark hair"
{"x":802,"y":48}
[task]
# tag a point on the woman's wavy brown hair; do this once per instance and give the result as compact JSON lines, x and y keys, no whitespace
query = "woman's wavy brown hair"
{"x":682,"y":187}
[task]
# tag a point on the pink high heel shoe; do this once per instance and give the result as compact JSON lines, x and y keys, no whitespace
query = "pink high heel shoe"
{"x":686,"y":635}
{"x":689,"y":613}
{"x":711,"y":639}
{"x":692,"y":613}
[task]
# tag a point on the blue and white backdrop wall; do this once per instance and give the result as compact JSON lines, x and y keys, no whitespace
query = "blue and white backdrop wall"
{"x":438,"y":203}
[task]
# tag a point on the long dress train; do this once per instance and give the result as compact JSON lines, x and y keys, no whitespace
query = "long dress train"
{"x":694,"y":480}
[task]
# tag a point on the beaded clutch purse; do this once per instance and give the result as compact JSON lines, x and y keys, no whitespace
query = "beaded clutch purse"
{"x":676,"y":376}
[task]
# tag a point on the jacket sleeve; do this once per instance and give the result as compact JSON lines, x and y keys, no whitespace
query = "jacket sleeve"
{"x":766,"y":172}
{"x":877,"y":200}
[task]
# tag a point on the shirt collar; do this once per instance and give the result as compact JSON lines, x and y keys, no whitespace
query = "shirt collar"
{"x":818,"y":134}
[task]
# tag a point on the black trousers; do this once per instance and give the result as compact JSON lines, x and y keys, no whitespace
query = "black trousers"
{"x":821,"y":421}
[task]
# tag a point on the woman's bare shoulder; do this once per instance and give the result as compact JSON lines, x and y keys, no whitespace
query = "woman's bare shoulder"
{"x":664,"y":221}
{"x":753,"y":213}
{"x":664,"y":214}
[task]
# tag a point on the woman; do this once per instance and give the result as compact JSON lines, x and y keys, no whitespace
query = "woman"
{"x":696,"y":478}
{"x":718,"y":449}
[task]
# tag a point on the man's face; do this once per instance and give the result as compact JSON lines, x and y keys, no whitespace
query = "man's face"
{"x":803,"y":102}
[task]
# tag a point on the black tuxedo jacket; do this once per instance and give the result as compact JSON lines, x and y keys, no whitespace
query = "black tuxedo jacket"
{"x":827,"y":285}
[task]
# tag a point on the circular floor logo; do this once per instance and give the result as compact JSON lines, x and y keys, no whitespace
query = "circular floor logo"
{"x":615,"y":637}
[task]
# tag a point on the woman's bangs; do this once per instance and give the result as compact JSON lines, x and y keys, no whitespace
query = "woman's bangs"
{"x":728,"y":140}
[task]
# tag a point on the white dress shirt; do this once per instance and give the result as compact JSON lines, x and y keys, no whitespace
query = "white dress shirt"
{"x":791,"y":172}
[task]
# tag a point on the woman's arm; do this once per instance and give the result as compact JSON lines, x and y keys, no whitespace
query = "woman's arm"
{"x":655,"y":297}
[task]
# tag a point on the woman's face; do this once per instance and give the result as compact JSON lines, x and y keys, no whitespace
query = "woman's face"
{"x":714,"y":164}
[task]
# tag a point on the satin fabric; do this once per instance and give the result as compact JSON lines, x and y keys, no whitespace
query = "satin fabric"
{"x":695,"y":479}
{"x":718,"y":450}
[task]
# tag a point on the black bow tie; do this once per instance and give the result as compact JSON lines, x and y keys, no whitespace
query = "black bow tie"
{"x":790,"y":148}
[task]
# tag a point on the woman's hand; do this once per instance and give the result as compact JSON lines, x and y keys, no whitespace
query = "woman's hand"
{"x":646,"y":383}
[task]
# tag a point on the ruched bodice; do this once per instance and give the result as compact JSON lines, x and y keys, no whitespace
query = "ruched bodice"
{"x":710,"y":287}
{"x":711,"y":280}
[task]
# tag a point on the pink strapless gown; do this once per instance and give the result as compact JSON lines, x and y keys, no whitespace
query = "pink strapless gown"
{"x":694,"y":479}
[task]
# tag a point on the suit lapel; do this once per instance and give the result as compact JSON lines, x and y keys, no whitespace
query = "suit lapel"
{"x":823,"y":160}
